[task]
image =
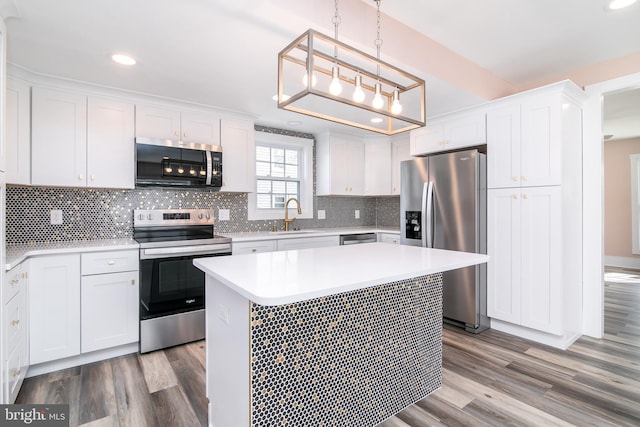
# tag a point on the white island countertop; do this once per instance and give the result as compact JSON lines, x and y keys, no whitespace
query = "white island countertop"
{"x":276,"y":278}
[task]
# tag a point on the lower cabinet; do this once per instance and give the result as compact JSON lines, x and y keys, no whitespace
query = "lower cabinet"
{"x":525,"y":243}
{"x":308,"y":242}
{"x":15,"y":345}
{"x":389,"y":238}
{"x":239,"y":248}
{"x":81,"y":303}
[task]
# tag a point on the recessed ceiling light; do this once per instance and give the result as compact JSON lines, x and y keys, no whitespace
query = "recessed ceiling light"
{"x":620,"y":4}
{"x":376,"y":120}
{"x":294,"y":123}
{"x":123,"y":59}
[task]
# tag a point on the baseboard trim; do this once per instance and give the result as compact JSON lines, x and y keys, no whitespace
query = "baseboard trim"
{"x":558,"y":341}
{"x":82,"y":359}
{"x":623,"y":262}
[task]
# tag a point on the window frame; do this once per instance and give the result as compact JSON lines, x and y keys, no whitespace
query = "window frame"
{"x":305,"y":145}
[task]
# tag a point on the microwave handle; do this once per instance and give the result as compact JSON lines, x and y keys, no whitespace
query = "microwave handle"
{"x":209,"y":167}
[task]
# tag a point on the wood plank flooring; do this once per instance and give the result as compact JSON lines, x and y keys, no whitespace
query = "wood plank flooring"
{"x":492,"y":379}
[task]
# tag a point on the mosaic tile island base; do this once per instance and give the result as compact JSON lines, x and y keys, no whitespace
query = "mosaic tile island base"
{"x":349,"y":359}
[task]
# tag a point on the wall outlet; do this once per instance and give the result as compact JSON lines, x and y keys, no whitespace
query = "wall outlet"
{"x":223,"y":214}
{"x":357,"y":214}
{"x":56,"y":217}
{"x":321,"y":214}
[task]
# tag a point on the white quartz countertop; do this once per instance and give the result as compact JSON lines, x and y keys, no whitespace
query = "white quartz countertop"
{"x":317,"y":232}
{"x":275,"y":278}
{"x":15,"y":254}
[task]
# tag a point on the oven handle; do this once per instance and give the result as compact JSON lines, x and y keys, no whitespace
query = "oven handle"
{"x":151,"y":253}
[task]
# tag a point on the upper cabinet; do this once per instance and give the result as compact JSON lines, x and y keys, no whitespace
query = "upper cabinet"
{"x":399,"y":153}
{"x":531,"y":138}
{"x":340,"y":165}
{"x":18,"y":132}
{"x":237,"y":138}
{"x":464,"y":129}
{"x":80,"y":141}
{"x":377,"y":167}
{"x":187,"y":126}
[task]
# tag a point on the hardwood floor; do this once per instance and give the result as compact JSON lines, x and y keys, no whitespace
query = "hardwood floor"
{"x":492,"y":379}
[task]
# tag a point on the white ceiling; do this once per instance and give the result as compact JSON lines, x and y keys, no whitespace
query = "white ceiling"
{"x":223,"y":53}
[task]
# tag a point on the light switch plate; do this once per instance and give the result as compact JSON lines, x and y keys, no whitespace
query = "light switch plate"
{"x":357,"y":214}
{"x":56,"y":217}
{"x":321,"y":214}
{"x":223,"y":214}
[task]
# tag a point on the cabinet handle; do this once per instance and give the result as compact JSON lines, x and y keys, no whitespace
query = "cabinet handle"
{"x":23,"y":275}
{"x":254,"y":250}
{"x":184,"y":134}
{"x":111,"y":262}
{"x":515,"y":196}
{"x":514,"y":178}
{"x":14,"y":282}
{"x":80,"y":177}
{"x":93,"y":177}
{"x":15,"y":373}
{"x":524,"y":196}
{"x":133,"y":282}
{"x":524,"y":177}
{"x":177,"y":133}
{"x":14,"y":322}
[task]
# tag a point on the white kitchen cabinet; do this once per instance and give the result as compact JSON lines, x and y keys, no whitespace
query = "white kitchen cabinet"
{"x":340,"y":165}
{"x":54,"y":307}
{"x":58,"y":138}
{"x":308,"y":242}
{"x":80,"y":141}
{"x":389,"y":238}
{"x":377,"y":167}
{"x":238,"y":155}
{"x":399,"y":153}
{"x":239,"y":248}
{"x":170,"y":123}
{"x":450,"y":132}
{"x":110,"y":299}
{"x":525,"y":244}
{"x":18,"y":132}
{"x":504,"y":147}
{"x":15,"y":331}
{"x":110,"y":144}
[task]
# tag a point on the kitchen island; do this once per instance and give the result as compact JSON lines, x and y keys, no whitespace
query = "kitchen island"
{"x":346,"y":335}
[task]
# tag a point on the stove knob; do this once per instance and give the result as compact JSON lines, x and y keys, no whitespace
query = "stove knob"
{"x":140,"y":217}
{"x":149,"y":217}
{"x":199,"y":216}
{"x":208,"y":216}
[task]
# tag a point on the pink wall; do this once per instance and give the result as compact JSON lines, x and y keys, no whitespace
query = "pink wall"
{"x":617,"y":196}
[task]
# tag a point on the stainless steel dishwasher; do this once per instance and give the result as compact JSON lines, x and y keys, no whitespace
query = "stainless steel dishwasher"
{"x":355,"y":239}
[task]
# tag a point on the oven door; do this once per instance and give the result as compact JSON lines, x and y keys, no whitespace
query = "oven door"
{"x":169,"y":282}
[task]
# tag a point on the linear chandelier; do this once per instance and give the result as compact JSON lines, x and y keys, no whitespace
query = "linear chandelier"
{"x":322,"y":77}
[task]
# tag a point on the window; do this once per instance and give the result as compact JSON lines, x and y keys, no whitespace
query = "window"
{"x":284,"y":169}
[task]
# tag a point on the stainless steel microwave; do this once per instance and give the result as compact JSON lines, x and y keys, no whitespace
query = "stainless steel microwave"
{"x":169,"y":163}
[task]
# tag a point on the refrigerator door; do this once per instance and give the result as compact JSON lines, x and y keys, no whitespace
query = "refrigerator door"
{"x":414,"y":184}
{"x":457,"y":222}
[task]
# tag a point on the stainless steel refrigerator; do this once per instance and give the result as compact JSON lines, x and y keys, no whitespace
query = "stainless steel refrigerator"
{"x":443,"y":204}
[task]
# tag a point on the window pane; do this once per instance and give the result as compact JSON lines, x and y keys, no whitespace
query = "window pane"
{"x":263,"y":169}
{"x":291,"y":157}
{"x":263,"y":186}
{"x":278,"y":202}
{"x":263,"y":201}
{"x":277,"y":170}
{"x":263,"y":154}
{"x":277,"y":155}
{"x":291,"y":171}
{"x":279,"y":187}
{"x":292,"y":188}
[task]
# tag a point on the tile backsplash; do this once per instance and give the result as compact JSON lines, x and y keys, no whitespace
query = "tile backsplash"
{"x":90,"y":214}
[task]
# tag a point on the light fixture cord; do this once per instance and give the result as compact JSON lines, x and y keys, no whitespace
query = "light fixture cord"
{"x":378,"y":40}
{"x":336,"y":23}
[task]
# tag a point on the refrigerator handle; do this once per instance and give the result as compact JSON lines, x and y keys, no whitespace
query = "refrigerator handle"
{"x":427,"y":215}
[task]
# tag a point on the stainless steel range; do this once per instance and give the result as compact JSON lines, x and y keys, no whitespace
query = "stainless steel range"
{"x":171,"y":288}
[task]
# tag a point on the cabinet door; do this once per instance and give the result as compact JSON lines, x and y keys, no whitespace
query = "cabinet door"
{"x":541,"y":158}
{"x":399,"y":153}
{"x":109,"y":310}
{"x":201,"y":128}
{"x":110,"y":144}
{"x":238,"y":156}
{"x":377,"y":168}
{"x":58,"y":138}
{"x":503,"y":246}
{"x":542,"y":287}
{"x":503,"y":147}
{"x":239,"y":248}
{"x":467,"y":130}
{"x":428,"y":139}
{"x":18,"y":133}
{"x":54,"y":307}
{"x":157,"y":122}
{"x":355,"y":167}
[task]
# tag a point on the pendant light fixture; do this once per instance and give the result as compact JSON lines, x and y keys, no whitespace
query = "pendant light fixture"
{"x":381,"y":91}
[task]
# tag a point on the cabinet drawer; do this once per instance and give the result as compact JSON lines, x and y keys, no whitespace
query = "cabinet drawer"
{"x":12,"y":284}
{"x":15,"y":320}
{"x":15,"y":370}
{"x":109,"y":262}
{"x":308,"y":243}
{"x":389,"y":238}
{"x":253,"y":247}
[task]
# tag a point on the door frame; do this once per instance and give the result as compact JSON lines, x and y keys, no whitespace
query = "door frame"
{"x":593,"y":202}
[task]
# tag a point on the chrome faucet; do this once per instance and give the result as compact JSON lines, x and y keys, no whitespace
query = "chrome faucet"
{"x":288,"y":220}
